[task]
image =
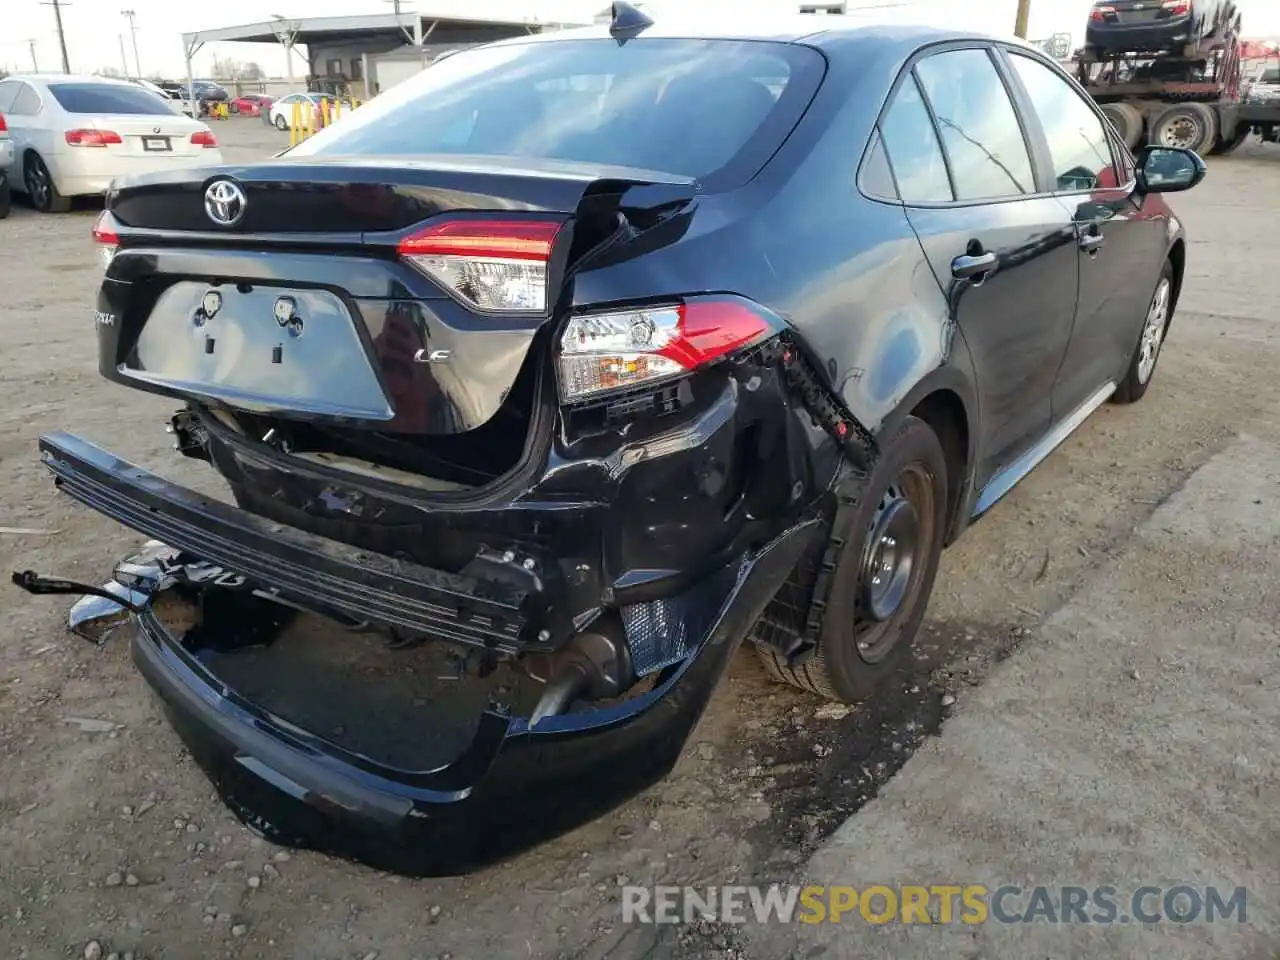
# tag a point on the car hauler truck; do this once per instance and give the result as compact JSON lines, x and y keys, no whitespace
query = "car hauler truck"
{"x":1168,"y":72}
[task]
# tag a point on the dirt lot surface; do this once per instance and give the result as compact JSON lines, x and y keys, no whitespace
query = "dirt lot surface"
{"x":110,"y":834}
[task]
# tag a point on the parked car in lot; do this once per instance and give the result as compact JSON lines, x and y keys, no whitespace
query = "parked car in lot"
{"x":581,"y":362}
{"x":6,"y":166}
{"x":280,"y":112}
{"x":73,"y":135}
{"x":1156,"y":26}
{"x":251,"y":104}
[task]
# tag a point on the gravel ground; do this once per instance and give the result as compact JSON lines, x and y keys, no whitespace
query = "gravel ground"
{"x":112,"y":836}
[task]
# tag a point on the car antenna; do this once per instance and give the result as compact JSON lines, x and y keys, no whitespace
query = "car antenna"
{"x":628,"y":20}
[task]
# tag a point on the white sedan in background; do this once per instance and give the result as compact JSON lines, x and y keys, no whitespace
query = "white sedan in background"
{"x":73,"y":135}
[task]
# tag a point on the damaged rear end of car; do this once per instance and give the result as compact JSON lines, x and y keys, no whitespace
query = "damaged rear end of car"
{"x":511,"y":479}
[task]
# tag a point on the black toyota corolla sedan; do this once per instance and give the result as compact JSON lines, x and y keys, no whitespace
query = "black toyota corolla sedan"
{"x":573,"y":363}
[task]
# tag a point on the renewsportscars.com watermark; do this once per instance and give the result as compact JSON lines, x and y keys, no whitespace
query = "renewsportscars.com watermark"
{"x":937,"y":903}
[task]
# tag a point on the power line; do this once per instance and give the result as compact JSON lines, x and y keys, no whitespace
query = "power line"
{"x":62,"y":40}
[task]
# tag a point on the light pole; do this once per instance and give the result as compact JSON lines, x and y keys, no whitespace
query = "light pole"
{"x":133,"y":32}
{"x":1024,"y":14}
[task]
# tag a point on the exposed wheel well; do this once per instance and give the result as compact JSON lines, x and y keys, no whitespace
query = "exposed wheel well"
{"x":944,"y":412}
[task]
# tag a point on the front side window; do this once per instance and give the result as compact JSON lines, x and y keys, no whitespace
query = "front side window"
{"x":912,"y":145}
{"x":1078,"y":142}
{"x":978,"y":125}
{"x":683,"y":106}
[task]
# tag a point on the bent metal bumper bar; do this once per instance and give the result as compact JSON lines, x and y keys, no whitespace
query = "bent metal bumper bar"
{"x":308,"y":570}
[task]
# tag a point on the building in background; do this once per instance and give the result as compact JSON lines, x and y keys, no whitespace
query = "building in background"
{"x":361,"y":55}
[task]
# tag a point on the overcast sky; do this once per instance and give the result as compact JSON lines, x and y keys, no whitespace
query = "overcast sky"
{"x":94,"y":28}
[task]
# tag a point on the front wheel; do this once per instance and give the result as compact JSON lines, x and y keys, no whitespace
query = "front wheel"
{"x":281,"y":123}
{"x":1143,"y":365}
{"x":885,"y":574}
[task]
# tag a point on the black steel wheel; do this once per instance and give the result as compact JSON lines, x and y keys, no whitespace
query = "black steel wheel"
{"x":885,"y":574}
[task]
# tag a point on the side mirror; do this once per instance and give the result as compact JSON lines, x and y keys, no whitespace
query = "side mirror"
{"x":1169,"y":169}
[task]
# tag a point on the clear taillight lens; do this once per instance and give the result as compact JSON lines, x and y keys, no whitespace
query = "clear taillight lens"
{"x":499,"y":266}
{"x":105,"y":236}
{"x":602,"y":353}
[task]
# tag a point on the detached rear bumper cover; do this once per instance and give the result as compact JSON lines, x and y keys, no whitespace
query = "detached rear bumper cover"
{"x":512,"y":787}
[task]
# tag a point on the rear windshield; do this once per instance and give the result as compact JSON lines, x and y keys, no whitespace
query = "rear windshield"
{"x":108,"y":98}
{"x":688,"y":107}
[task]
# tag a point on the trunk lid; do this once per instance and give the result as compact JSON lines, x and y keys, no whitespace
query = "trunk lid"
{"x":1139,"y":11}
{"x":152,"y":135}
{"x":383,"y":353}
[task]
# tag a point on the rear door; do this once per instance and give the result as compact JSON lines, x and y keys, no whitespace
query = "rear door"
{"x":1119,"y":248}
{"x":1004,"y":254}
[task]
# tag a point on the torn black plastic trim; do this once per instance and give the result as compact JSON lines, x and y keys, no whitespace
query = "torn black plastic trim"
{"x":310,"y":570}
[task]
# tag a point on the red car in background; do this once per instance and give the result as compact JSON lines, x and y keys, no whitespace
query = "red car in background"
{"x":251,"y":104}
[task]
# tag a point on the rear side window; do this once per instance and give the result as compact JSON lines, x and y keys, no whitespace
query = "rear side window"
{"x":1078,"y":142}
{"x":8,"y":90}
{"x":108,"y":98}
{"x":912,"y":145}
{"x":26,"y":103}
{"x":689,"y":107}
{"x":978,"y":125}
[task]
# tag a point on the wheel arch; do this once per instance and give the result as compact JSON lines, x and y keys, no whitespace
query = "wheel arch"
{"x":1178,"y":258}
{"x":947,"y":402}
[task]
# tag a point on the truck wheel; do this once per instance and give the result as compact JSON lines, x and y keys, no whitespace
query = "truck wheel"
{"x":1154,"y":328}
{"x":885,"y":574}
{"x":1189,"y":126}
{"x":1127,"y":119}
{"x":1222,"y":147}
{"x":6,"y":198}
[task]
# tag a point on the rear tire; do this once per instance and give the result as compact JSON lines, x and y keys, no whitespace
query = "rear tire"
{"x":885,"y":575}
{"x":1190,"y":126}
{"x":1127,"y":120}
{"x":1146,"y":354}
{"x":6,"y":198}
{"x":1223,"y":147}
{"x":41,"y":188}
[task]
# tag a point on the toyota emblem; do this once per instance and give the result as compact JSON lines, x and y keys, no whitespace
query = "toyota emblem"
{"x":225,"y":203}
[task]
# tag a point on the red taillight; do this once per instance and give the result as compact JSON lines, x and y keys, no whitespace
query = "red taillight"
{"x":105,"y":236}
{"x":92,"y":138}
{"x":3,"y":126}
{"x":1177,"y":8}
{"x":204,"y":138}
{"x":1100,"y":12}
{"x":495,"y":265}
{"x":605,"y":352}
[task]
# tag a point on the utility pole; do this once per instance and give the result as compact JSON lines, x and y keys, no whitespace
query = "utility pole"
{"x":35,"y":67}
{"x":124,"y":61}
{"x":133,"y":30}
{"x":62,"y":39}
{"x":1024,"y":14}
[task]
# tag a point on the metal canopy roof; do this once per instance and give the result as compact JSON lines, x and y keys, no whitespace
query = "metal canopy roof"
{"x":305,"y":30}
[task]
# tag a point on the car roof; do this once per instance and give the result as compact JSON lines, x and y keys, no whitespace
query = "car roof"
{"x":884,"y":25}
{"x":44,"y":79}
